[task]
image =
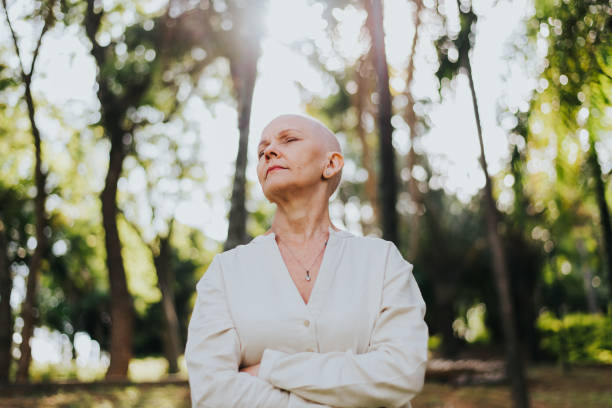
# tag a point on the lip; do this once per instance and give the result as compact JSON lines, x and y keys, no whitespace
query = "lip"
{"x":273,"y":168}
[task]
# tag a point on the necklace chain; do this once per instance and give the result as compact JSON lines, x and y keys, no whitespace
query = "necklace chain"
{"x":313,"y":262}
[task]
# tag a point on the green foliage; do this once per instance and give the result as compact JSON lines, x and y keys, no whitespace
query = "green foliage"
{"x":454,"y":48}
{"x":5,"y":80}
{"x":577,"y":337}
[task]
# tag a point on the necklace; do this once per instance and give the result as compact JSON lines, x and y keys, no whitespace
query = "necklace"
{"x":313,"y":262}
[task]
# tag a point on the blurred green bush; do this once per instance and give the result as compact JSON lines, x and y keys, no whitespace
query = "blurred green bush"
{"x":577,"y":337}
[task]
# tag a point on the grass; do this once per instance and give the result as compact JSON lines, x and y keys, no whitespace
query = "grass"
{"x":582,"y":387}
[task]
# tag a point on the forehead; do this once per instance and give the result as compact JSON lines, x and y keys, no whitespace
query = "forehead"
{"x":282,"y":126}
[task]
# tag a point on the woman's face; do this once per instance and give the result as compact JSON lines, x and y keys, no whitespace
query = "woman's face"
{"x":291,"y":157}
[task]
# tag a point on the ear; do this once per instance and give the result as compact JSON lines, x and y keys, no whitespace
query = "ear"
{"x":333,"y":165}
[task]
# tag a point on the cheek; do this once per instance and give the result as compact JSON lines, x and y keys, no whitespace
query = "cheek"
{"x":260,"y":173}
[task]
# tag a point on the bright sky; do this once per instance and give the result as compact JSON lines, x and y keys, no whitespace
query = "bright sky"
{"x":68,"y":77}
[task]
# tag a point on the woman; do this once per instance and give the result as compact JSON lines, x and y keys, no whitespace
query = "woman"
{"x":306,"y":315}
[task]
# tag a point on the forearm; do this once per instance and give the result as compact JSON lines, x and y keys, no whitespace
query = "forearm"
{"x":388,"y":374}
{"x":212,"y":355}
{"x":343,"y":379}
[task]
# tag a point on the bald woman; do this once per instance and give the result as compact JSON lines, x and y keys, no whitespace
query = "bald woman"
{"x":306,"y":315}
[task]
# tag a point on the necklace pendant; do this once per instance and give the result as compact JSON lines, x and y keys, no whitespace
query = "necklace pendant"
{"x":307,"y":275}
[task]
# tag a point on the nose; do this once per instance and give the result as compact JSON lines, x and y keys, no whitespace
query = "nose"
{"x":270,"y":151}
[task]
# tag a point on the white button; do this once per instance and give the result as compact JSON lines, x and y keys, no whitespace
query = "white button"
{"x":306,"y":323}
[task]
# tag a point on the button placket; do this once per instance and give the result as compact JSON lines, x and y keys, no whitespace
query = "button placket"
{"x":310,"y":340}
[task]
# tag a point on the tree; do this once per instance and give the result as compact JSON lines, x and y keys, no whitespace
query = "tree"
{"x":12,"y":221}
{"x":6,"y":318}
{"x":156,"y":232}
{"x":242,"y":45}
{"x":387,"y":176}
{"x":29,"y":312}
{"x":449,"y":68}
{"x":141,"y":69}
{"x":412,"y":121}
{"x":578,"y":79}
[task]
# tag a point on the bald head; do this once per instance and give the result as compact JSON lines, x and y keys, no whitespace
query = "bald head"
{"x":311,"y":126}
{"x":324,"y":139}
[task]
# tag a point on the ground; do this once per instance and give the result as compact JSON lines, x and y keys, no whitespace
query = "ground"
{"x":582,"y":387}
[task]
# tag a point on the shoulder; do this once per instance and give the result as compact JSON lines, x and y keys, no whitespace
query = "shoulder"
{"x":368,"y":243}
{"x":250,"y":252}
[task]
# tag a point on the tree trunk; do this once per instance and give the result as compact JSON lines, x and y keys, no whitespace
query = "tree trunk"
{"x":604,"y":215}
{"x":113,"y":111}
{"x":244,"y":74}
{"x":165,"y":281}
{"x":513,"y":356}
{"x":28,"y":309}
{"x":587,"y":276}
{"x":411,"y":120}
{"x":121,"y":302}
{"x":446,"y":271}
{"x":366,"y":152}
{"x":387,"y":177}
{"x":6,"y":318}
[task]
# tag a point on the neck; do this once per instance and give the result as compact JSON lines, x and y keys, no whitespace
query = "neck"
{"x":301,"y":218}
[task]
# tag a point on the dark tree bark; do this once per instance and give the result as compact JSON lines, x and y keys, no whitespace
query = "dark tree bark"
{"x":162,"y":252}
{"x":28,"y":309}
{"x":244,"y":74}
{"x":387,"y":176}
{"x":500,"y":268}
{"x":6,"y":318}
{"x":165,"y":281}
{"x":367,"y":161}
{"x":604,"y":214}
{"x":446,"y":271}
{"x":411,"y":120}
{"x":122,"y":314}
{"x":113,"y":111}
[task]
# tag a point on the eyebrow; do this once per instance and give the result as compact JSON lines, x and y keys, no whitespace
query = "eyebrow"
{"x":283,"y":133}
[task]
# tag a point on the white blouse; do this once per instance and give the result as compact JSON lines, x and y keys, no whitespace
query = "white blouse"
{"x":361,"y":340}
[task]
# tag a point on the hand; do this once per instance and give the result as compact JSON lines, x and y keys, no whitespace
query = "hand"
{"x":253,"y":370}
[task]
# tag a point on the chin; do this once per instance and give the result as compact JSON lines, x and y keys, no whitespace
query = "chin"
{"x":273,"y":189}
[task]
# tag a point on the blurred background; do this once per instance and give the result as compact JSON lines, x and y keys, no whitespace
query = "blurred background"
{"x":477,"y":136}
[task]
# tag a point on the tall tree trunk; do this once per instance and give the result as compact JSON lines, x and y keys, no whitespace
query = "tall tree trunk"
{"x":411,"y":119}
{"x":387,"y":177}
{"x":244,"y":74}
{"x":28,"y":309}
{"x":165,"y":281}
{"x":604,"y":215}
{"x":446,"y":272}
{"x":587,"y":277}
{"x":6,"y":318}
{"x":366,"y":152}
{"x":514,"y":359}
{"x":113,"y":111}
{"x":122,"y":314}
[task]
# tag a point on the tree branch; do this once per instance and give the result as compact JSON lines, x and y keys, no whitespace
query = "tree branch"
{"x":92,"y":24}
{"x":15,"y":42}
{"x":49,"y":20}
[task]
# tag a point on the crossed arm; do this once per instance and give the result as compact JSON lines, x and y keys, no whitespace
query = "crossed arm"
{"x":389,"y":374}
{"x":213,"y":357}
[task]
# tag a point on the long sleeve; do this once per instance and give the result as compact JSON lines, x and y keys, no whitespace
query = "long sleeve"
{"x":389,"y":374}
{"x":213,"y":356}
